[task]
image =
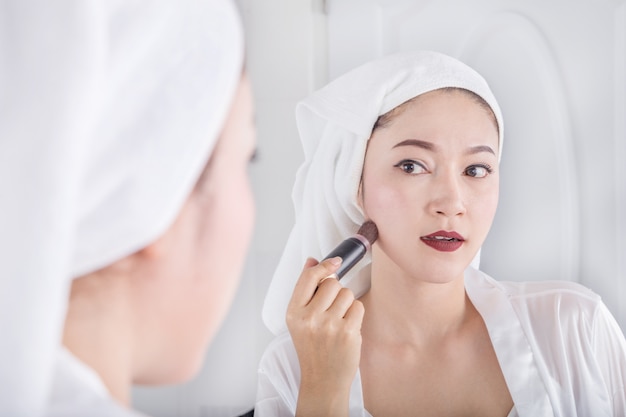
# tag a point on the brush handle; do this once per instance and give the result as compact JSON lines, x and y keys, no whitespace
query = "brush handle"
{"x":350,"y":251}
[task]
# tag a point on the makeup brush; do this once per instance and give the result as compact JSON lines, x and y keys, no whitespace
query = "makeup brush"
{"x":354,"y":248}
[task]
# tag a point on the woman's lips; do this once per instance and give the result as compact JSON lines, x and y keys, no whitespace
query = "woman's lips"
{"x":444,"y":241}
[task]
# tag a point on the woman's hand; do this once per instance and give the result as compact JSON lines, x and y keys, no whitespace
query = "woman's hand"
{"x":324,"y":320}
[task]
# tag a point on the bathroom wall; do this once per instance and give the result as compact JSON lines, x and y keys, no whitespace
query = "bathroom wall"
{"x":559,"y":71}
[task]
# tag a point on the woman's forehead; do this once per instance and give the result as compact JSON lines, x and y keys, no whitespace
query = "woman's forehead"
{"x":436,"y":114}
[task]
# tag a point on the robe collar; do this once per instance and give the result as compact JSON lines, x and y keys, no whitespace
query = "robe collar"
{"x":512,"y":347}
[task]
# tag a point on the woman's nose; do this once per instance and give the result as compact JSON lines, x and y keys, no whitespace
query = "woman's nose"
{"x":447,"y":197}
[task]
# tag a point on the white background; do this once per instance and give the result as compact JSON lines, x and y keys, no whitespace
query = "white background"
{"x":558,"y":68}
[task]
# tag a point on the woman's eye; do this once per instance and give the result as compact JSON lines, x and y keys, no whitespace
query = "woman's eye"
{"x":411,"y":167}
{"x":478,"y":171}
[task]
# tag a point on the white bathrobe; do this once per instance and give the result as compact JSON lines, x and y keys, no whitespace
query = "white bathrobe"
{"x":561,"y":352}
{"x":78,"y":391}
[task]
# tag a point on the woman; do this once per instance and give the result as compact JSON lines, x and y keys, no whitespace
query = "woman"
{"x":135,"y":206}
{"x":413,"y":142}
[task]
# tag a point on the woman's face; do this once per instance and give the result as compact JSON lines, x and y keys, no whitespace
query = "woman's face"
{"x":430,"y":183}
{"x":202,"y":254}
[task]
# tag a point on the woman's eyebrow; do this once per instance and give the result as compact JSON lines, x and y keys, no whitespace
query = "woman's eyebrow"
{"x":429,"y":146}
{"x":480,"y":148}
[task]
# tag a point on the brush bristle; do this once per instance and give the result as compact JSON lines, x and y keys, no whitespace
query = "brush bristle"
{"x":369,"y":231}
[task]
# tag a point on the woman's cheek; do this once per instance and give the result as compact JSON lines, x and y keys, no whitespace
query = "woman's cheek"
{"x":382,"y":203}
{"x":483,"y":209}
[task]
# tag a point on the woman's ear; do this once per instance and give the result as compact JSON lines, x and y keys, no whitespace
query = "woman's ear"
{"x":359,"y":197}
{"x":172,"y":237}
{"x":154,"y":250}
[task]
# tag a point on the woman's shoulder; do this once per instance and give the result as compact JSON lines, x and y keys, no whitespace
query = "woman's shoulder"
{"x":78,"y":391}
{"x":554,"y":301}
{"x":544,"y":298}
{"x":280,"y":353}
{"x":550,"y":289}
{"x":280,"y":343}
{"x":278,"y":378}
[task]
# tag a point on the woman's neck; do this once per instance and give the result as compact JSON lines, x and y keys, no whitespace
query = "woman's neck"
{"x":97,"y":331}
{"x":407,"y":310}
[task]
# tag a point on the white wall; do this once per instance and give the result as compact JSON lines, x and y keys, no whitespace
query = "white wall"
{"x":561,"y":80}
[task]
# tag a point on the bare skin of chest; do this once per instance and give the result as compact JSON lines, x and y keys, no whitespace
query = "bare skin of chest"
{"x":460,"y":377}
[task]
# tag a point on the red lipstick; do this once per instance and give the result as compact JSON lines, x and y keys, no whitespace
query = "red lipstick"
{"x":443,"y":241}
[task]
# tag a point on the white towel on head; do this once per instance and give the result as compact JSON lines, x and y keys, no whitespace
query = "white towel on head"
{"x":109,"y":111}
{"x":335,"y":124}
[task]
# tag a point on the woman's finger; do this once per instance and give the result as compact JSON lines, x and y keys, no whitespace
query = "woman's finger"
{"x":325,"y":295}
{"x":310,"y":279}
{"x":341,"y":304}
{"x":354,"y":315}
